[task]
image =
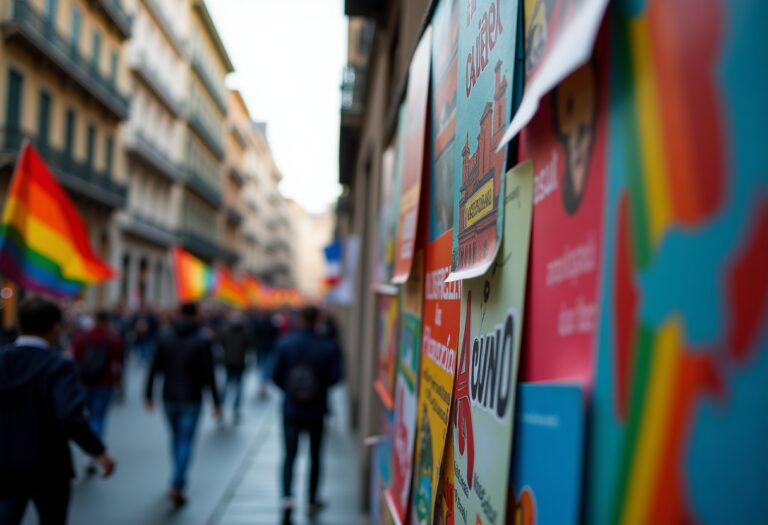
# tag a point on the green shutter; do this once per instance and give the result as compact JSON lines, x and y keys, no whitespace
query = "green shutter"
{"x":90,"y":146}
{"x":96,"y":51}
{"x":76,"y":23}
{"x":44,"y":118}
{"x":113,"y":68}
{"x":13,"y":103}
{"x":69,"y":134}
{"x":109,"y":145}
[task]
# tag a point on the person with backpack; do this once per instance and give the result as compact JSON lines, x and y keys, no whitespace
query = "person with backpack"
{"x":42,"y":408}
{"x":184,"y":358}
{"x":306,"y":366}
{"x":99,"y":356}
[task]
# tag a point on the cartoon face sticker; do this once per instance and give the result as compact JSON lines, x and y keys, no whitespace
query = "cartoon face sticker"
{"x":575,"y":110}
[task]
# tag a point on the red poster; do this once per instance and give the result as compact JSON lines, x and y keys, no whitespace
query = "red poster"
{"x":415,"y":131}
{"x":567,"y":142}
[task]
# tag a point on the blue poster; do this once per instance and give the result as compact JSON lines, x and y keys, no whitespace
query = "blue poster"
{"x":548,"y":454}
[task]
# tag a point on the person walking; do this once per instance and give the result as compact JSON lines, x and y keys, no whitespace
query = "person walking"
{"x":306,"y":366}
{"x":235,"y":342}
{"x":42,"y":408}
{"x":265,"y":334}
{"x":99,"y":356}
{"x":185,"y":360}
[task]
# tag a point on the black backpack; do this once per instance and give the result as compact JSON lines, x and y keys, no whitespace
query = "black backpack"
{"x":95,"y":366}
{"x":302,"y":383}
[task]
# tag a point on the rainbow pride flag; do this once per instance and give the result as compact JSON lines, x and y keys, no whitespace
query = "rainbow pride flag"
{"x":44,"y":244}
{"x":229,"y":290}
{"x":194,"y":278}
{"x":254,"y":291}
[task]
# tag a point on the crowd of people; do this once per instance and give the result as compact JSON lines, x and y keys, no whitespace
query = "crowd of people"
{"x":60,"y":374}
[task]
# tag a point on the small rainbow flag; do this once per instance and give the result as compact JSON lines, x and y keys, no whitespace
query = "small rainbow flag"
{"x":44,"y":245}
{"x":229,"y":290}
{"x":254,"y":291}
{"x":194,"y":278}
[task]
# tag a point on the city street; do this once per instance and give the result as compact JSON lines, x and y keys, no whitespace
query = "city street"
{"x":234,"y":477}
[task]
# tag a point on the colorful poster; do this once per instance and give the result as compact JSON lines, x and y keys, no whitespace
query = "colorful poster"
{"x":678,"y":429}
{"x":486,"y":67}
{"x":413,"y":167}
{"x":548,"y":455}
{"x":445,"y":488}
{"x":387,"y":336}
{"x":567,"y":143}
{"x":491,"y":328}
{"x":559,"y":38}
{"x":440,"y":336}
{"x":399,"y":490}
{"x":381,"y":470}
{"x":445,"y":46}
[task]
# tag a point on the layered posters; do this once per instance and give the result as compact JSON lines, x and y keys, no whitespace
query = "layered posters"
{"x":442,"y":300}
{"x":484,"y":400}
{"x":387,"y":336}
{"x":381,"y":470}
{"x":486,"y":64}
{"x":399,"y":490}
{"x":446,"y":489}
{"x":567,"y":143}
{"x":547,"y":462}
{"x":678,"y":430}
{"x":559,"y":37}
{"x":415,"y":138}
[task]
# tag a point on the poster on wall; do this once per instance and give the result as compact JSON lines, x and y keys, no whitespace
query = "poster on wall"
{"x":445,"y":45}
{"x":548,"y":454}
{"x":492,"y":319}
{"x":439,"y":347}
{"x":381,"y":469}
{"x":444,"y":496}
{"x":398,"y":492}
{"x":486,"y":65}
{"x":559,"y":38}
{"x":413,"y":165}
{"x":387,"y":336}
{"x":683,"y":341}
{"x":567,"y":143}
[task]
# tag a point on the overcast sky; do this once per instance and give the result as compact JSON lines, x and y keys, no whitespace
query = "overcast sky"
{"x":288,"y":56}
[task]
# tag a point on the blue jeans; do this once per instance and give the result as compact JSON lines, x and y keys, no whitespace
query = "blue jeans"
{"x":97,"y":400}
{"x":182,"y":418}
{"x":234,"y":381}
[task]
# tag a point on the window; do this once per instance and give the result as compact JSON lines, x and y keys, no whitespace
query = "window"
{"x":50,"y":13}
{"x":44,"y":117}
{"x":113,"y":68}
{"x":90,"y":150}
{"x":13,"y":102}
{"x":95,"y":50}
{"x":69,"y":134}
{"x":76,"y":23}
{"x":109,"y":145}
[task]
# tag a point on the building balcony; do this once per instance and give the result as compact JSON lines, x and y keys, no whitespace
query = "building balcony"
{"x":76,"y":176}
{"x":228,"y":255}
{"x":149,"y":76}
{"x":117,"y":15}
{"x":233,"y":215}
{"x":203,"y":247}
{"x":136,"y":144}
{"x":202,"y":187}
{"x":205,"y":133}
{"x":210,"y":84}
{"x":166,"y":25}
{"x":31,"y":28}
{"x":236,"y":175}
{"x":139,"y":226}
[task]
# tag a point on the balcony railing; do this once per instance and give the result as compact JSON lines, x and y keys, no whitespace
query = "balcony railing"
{"x":149,"y":75}
{"x":218,"y":96}
{"x":205,"y":133}
{"x":39,"y":32}
{"x":118,"y":15}
{"x":233,"y":215}
{"x":166,"y":25}
{"x":138,"y":144}
{"x":74,"y":175}
{"x":148,"y":229}
{"x":200,"y":185}
{"x":236,"y":175}
{"x":199,"y":245}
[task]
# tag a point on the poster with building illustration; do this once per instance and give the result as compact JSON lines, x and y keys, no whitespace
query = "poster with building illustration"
{"x":678,"y":426}
{"x":387,"y":337}
{"x":406,"y":384}
{"x":445,"y":46}
{"x":567,"y":143}
{"x":413,"y":157}
{"x":548,"y":454}
{"x":439,"y":346}
{"x":492,"y":309}
{"x":486,"y":64}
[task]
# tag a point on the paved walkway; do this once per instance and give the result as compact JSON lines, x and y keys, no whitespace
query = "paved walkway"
{"x":234,"y":473}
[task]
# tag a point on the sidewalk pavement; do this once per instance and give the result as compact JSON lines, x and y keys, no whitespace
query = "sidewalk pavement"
{"x":234,"y":475}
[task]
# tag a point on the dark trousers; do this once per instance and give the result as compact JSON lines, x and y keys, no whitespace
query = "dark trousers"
{"x":234,"y":382}
{"x":50,"y":498}
{"x":182,"y":418}
{"x":292,"y":429}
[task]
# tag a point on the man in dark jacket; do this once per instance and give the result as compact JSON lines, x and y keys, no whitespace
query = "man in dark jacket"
{"x":184,"y":358}
{"x":41,"y":408}
{"x":235,"y":341}
{"x":306,"y":366}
